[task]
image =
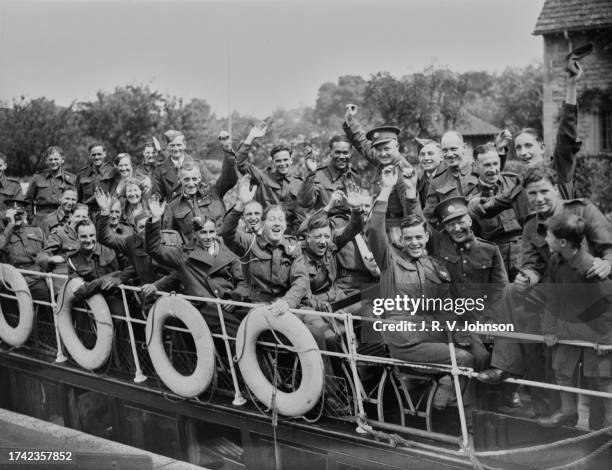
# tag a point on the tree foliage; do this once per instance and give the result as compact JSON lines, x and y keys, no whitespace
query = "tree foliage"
{"x":423,"y":104}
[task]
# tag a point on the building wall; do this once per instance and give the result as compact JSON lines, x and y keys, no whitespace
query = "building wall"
{"x":598,"y":74}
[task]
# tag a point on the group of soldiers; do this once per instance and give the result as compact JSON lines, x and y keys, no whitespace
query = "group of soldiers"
{"x":454,"y":226}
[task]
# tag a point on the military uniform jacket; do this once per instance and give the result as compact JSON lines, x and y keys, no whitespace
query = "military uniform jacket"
{"x":396,"y":207}
{"x":202,"y":274}
{"x":272,"y":271}
{"x":446,"y":185}
{"x":46,"y":188}
{"x":505,"y":210}
{"x":318,"y":186}
{"x":166,"y":182}
{"x":272,"y":187}
{"x":424,"y":182}
{"x":476,"y":269}
{"x":62,"y":241}
{"x":20,"y":245}
{"x":54,"y":221}
{"x":323,"y":271}
{"x":89,"y":178}
{"x":598,"y":239}
{"x":133,"y":248}
{"x":402,"y":275}
{"x":10,"y":188}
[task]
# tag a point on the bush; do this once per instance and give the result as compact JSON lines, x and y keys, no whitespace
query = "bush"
{"x":593,"y":180}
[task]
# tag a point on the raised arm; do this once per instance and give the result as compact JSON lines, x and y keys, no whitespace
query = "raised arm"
{"x":237,"y":241}
{"x":309,"y":191}
{"x":105,"y":234}
{"x":567,"y":144}
{"x":245,"y":167}
{"x":355,"y":133}
{"x":229,"y":176}
{"x":375,"y":228}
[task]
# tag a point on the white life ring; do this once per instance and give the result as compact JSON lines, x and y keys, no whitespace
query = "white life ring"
{"x":87,"y":358}
{"x":183,"y":385}
{"x":313,"y":375}
{"x":18,"y":335}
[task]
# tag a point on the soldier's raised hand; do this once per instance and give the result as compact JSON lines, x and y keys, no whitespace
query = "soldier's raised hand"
{"x":104,"y":200}
{"x":335,"y":199}
{"x":246,"y":193}
{"x":310,"y":159}
{"x":389,"y":176}
{"x":350,"y":110}
{"x":409,"y":175}
{"x":258,"y":131}
{"x":353,"y":195}
{"x":156,"y":207}
{"x":225,"y":139}
{"x":502,"y":140}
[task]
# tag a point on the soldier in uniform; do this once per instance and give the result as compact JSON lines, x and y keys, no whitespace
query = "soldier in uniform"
{"x":46,"y":188}
{"x":475,"y":265}
{"x":455,"y":179}
{"x":98,"y":267}
{"x":166,"y":183}
{"x":115,"y":223}
{"x":60,"y":244}
{"x":199,"y":199}
{"x":19,"y":245}
{"x":276,"y":185}
{"x":321,"y":182}
{"x":149,"y":158}
{"x":206,"y":267}
{"x":498,"y":206}
{"x":273,"y":263}
{"x":320,"y":248}
{"x":10,"y":188}
{"x":577,"y":308}
{"x":529,"y":145}
{"x":544,"y":195}
{"x":60,"y":216}
{"x":430,"y":165}
{"x":380,"y":147}
{"x":413,"y":272}
{"x":98,"y":174}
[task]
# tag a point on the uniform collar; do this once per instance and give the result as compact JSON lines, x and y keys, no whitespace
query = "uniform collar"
{"x":465,"y":245}
{"x":97,"y":251}
{"x":335,"y":174}
{"x":287,"y":245}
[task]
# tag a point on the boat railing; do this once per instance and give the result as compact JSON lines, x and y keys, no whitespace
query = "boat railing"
{"x":349,"y":354}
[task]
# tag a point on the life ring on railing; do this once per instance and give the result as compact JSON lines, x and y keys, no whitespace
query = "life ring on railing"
{"x":18,"y":335}
{"x":85,"y":357}
{"x":199,"y":380}
{"x":313,"y":375}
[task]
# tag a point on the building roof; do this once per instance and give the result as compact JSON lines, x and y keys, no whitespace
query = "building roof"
{"x":559,"y":15}
{"x":473,"y":125}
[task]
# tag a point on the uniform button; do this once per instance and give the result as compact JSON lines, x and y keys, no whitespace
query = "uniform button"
{"x":464,"y":275}
{"x":465,"y":261}
{"x":446,"y":258}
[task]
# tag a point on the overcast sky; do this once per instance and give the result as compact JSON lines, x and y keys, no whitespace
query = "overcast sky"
{"x":255,"y":55}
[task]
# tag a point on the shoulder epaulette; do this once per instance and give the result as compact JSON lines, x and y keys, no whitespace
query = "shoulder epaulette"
{"x":578,"y":200}
{"x":486,"y":242}
{"x":14,"y":180}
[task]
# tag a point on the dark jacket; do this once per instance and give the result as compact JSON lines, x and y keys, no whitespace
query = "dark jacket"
{"x":272,"y":271}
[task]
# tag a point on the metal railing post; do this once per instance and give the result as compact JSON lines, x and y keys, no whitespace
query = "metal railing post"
{"x":352,"y":346}
{"x":60,"y":353}
{"x":239,"y":400}
{"x":139,"y":377}
{"x":455,"y":373}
